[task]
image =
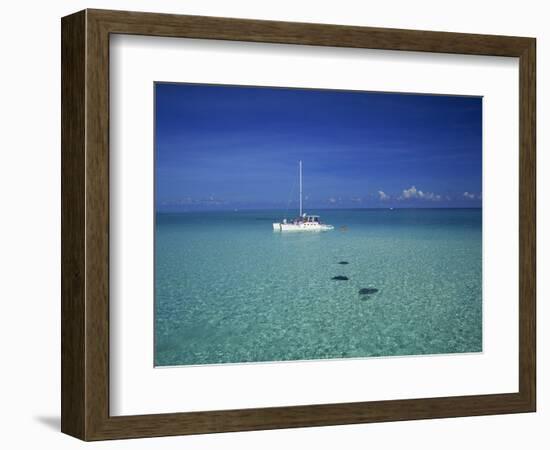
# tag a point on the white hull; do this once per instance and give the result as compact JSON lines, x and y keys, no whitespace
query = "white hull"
{"x":304,"y":226}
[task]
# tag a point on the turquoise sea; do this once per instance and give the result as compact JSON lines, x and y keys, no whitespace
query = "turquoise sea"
{"x":228,"y":289}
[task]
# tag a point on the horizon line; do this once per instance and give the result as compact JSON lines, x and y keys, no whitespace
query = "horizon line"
{"x":317,"y":209}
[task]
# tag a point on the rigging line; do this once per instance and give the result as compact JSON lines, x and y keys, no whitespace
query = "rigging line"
{"x":290,"y":197}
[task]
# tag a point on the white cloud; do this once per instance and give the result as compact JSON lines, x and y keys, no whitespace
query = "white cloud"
{"x":429,"y":196}
{"x":412,"y":192}
{"x":332,"y":200}
{"x":383,"y":196}
{"x":469,"y":195}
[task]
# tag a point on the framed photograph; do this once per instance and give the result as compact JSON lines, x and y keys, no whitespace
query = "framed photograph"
{"x":273,"y":225}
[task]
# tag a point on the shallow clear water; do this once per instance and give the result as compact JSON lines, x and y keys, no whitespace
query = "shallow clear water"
{"x":228,"y":289}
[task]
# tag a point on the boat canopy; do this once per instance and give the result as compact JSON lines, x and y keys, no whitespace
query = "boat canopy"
{"x":309,"y":218}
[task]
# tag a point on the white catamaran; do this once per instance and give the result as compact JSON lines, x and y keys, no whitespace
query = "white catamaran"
{"x":304,"y":222}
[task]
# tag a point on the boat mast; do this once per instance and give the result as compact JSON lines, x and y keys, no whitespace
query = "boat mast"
{"x":300,"y":188}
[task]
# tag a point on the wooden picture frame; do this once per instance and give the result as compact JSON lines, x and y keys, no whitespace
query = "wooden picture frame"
{"x":85,"y":224}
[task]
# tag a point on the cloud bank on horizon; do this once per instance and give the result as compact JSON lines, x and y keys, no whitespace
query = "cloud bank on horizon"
{"x":228,"y":147}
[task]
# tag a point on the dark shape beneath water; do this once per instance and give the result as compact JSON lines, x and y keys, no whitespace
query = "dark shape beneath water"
{"x":340,"y":278}
{"x":343,"y":262}
{"x":368,"y":291}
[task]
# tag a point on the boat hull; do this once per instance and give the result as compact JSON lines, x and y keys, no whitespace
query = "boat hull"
{"x":306,"y":226}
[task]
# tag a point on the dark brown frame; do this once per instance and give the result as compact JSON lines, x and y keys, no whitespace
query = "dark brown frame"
{"x":85,"y":224}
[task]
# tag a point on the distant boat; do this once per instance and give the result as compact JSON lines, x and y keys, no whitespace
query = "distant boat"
{"x":304,"y":222}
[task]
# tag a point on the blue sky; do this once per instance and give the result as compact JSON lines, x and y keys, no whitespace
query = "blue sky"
{"x":228,"y":147}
